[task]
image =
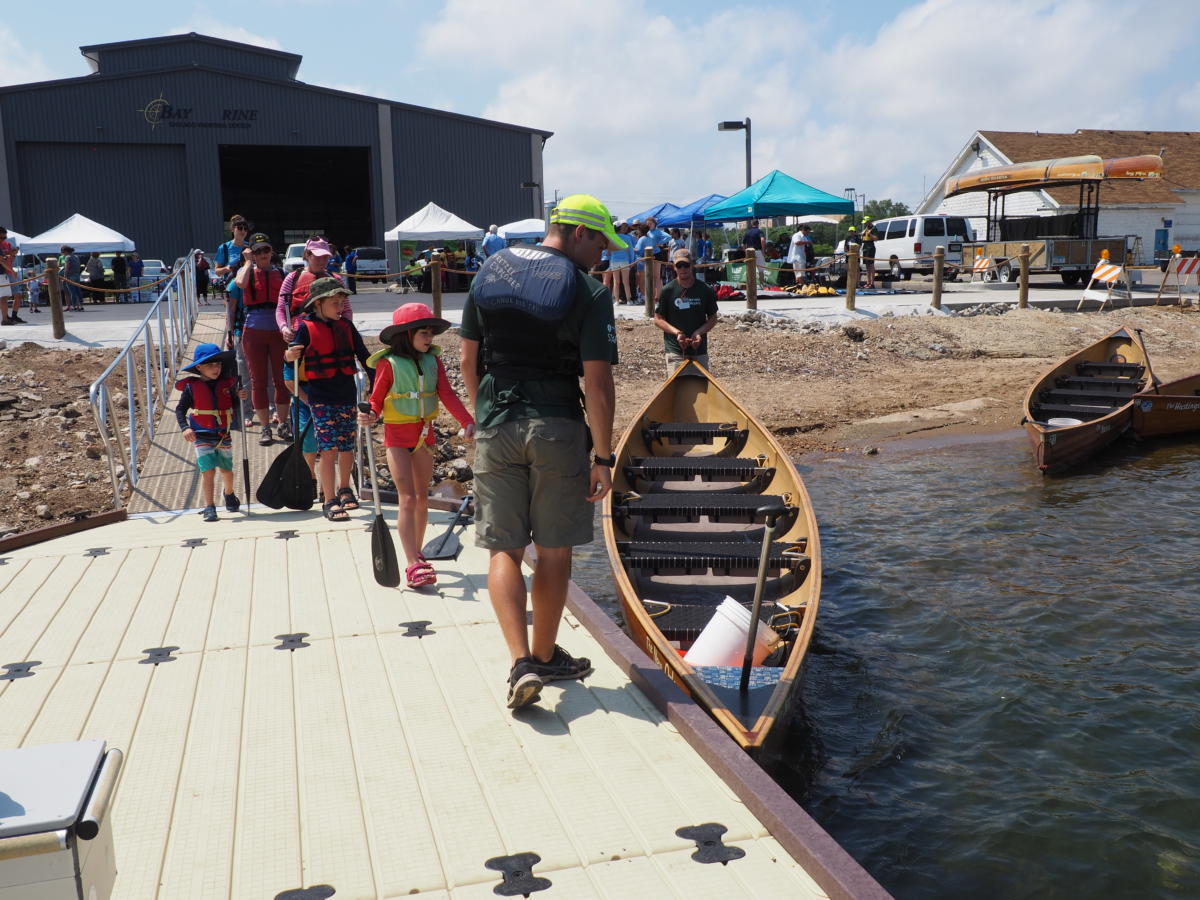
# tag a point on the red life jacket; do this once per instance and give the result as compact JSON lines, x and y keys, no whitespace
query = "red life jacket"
{"x":330,"y":348}
{"x":212,"y":403}
{"x":263,"y":288}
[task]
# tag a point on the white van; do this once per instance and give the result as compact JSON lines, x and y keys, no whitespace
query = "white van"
{"x":906,"y":244}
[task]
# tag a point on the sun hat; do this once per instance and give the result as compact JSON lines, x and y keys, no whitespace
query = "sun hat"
{"x":322,"y":288}
{"x":258,"y":241}
{"x":410,"y":317}
{"x":852,"y":228}
{"x":318,"y":247}
{"x":586,"y":210}
{"x":206,"y":353}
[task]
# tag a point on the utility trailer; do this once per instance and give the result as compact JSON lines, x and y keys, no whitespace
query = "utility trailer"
{"x":1066,"y":245}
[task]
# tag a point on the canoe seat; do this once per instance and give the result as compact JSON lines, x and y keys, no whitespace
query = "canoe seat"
{"x":697,"y":433}
{"x":1043,"y":411}
{"x":1086,"y":382}
{"x":1128,"y":370}
{"x":1087,"y":398}
{"x":691,"y":505}
{"x":717,"y":555}
{"x":737,"y":474}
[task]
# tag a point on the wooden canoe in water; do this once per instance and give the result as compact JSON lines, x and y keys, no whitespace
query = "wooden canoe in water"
{"x":696,"y":478}
{"x":1174,"y":408}
{"x":1084,"y":403}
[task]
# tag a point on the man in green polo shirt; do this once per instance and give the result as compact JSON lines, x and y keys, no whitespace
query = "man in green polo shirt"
{"x":534,"y":321}
{"x":686,"y":313}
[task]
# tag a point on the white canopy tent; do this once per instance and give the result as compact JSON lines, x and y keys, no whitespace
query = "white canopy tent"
{"x":432,"y":223}
{"x":17,"y":239}
{"x":81,"y":233}
{"x":525,"y":228}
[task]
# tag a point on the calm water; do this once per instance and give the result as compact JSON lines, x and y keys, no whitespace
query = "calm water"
{"x":1003,"y":694}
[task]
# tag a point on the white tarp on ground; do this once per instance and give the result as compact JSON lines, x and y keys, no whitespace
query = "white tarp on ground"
{"x":81,"y":233}
{"x":525,"y":228}
{"x":432,"y":223}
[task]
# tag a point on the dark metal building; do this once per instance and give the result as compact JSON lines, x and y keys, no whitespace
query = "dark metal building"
{"x":170,"y":136}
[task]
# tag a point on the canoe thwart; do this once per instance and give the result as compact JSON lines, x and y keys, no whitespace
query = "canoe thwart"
{"x":1095,"y":382}
{"x":693,"y":504}
{"x":741,"y":475}
{"x":696,"y":433}
{"x":707,"y":555}
{"x":1126,"y":369}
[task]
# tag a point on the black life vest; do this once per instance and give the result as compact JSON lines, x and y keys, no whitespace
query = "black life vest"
{"x":330,"y":348}
{"x":212,"y":403}
{"x":262,"y":288}
{"x":531,"y":322}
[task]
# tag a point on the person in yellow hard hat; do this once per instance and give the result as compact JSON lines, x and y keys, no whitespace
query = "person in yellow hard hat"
{"x":533,"y":322}
{"x":868,"y":238}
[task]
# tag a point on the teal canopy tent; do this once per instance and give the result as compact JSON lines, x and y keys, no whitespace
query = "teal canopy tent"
{"x":776,"y":194}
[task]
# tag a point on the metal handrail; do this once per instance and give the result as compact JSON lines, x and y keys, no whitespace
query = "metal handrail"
{"x":164,"y":335}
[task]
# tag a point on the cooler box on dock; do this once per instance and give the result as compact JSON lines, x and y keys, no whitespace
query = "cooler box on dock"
{"x":55,"y":831}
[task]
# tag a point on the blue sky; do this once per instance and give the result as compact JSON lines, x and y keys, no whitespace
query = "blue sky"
{"x":875,"y":95}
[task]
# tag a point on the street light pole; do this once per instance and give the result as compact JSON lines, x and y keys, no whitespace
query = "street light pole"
{"x":740,"y":126}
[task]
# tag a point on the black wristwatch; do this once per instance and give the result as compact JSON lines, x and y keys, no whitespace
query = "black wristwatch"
{"x":606,"y":461}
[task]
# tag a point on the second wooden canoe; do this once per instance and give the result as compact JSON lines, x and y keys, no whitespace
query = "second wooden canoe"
{"x":696,"y":479}
{"x":1174,"y":408}
{"x":1084,"y":403}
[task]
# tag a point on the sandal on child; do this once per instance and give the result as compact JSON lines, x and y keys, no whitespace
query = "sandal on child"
{"x":345,"y":496}
{"x":420,"y":574}
{"x":333,"y":511}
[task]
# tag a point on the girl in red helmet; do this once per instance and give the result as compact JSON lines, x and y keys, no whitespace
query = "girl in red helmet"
{"x":406,"y":393}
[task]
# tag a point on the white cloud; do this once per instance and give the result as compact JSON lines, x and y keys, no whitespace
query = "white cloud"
{"x":21,"y":65}
{"x":634,"y":96}
{"x":207,"y":23}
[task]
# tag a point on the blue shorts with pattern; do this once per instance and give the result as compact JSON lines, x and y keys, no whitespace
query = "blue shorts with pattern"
{"x":335,"y":424}
{"x":214,"y":452}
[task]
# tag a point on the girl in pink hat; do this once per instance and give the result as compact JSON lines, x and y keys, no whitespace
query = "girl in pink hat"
{"x":406,"y":392}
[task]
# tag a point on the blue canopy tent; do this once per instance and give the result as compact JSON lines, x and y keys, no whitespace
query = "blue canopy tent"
{"x":655,"y":212}
{"x":690,"y":215}
{"x":776,"y":194}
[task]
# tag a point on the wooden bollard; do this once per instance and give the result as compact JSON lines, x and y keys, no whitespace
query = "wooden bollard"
{"x":649,"y":271}
{"x":751,"y":279}
{"x":939,"y":271}
{"x":851,"y":275}
{"x":435,"y":283}
{"x":57,"y":327}
{"x":1023,"y":292}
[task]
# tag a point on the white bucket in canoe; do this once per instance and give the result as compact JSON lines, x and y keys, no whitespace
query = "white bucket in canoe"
{"x":723,"y":640}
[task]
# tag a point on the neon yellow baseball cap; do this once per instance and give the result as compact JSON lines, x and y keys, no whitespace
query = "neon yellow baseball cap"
{"x":586,"y":210}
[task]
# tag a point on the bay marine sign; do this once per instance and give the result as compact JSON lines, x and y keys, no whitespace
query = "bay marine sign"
{"x":160,"y":112}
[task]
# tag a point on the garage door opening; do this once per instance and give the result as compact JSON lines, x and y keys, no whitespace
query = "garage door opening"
{"x":292,"y":192}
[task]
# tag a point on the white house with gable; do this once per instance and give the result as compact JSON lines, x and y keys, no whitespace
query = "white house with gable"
{"x":1161,"y":212}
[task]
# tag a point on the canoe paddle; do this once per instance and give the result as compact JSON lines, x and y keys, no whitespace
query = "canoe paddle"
{"x":383,"y":551}
{"x":241,"y":411}
{"x":448,"y":546}
{"x":1146,"y":356}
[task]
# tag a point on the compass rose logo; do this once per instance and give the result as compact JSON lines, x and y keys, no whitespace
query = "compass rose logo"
{"x":153,"y":110}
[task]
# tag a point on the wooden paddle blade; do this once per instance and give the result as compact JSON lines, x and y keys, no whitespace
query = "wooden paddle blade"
{"x":383,"y":554}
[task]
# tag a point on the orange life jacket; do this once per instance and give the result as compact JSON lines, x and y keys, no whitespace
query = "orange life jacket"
{"x":330,"y":348}
{"x":212,"y":403}
{"x":263,"y":288}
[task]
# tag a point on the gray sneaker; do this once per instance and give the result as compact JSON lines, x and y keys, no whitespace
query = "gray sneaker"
{"x":561,"y":666}
{"x":524,"y":684}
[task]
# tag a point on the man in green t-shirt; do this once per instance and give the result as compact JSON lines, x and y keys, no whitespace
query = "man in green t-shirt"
{"x":686,"y":312}
{"x":534,"y":321}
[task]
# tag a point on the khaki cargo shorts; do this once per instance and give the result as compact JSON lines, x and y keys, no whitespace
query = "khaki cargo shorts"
{"x":531,"y":483}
